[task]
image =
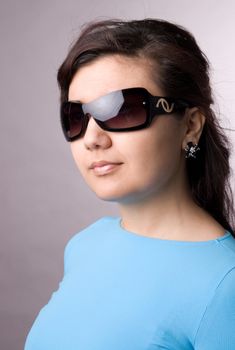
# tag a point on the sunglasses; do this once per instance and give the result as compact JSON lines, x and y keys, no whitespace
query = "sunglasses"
{"x":122,"y":110}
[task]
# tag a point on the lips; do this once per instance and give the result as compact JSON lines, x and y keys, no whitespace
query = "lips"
{"x":104,"y":167}
{"x":102,"y":163}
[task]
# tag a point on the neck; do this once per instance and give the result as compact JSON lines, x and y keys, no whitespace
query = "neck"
{"x":168,"y":215}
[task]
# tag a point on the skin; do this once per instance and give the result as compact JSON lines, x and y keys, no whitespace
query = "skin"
{"x":150,"y":183}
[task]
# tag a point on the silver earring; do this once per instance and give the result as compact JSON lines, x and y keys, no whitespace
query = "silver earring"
{"x":191,"y":150}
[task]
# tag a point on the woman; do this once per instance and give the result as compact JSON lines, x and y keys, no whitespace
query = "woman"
{"x":136,"y":109}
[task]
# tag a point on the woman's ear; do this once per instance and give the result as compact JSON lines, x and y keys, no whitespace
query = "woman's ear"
{"x":194,"y":123}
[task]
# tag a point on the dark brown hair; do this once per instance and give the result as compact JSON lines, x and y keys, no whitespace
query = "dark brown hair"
{"x":182,"y":71}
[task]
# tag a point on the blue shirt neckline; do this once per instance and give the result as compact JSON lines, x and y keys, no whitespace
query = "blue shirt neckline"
{"x":226,"y":235}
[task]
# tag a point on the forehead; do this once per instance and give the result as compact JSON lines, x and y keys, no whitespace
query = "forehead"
{"x":111,"y":73}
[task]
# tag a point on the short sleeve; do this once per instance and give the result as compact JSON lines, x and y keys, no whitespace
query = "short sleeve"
{"x":217,"y":327}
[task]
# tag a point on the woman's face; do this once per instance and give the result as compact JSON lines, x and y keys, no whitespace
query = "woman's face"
{"x":147,"y":162}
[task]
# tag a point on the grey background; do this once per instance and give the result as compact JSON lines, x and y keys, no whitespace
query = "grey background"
{"x":44,"y":201}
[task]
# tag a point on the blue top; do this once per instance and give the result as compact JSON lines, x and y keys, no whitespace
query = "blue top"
{"x":125,"y":291}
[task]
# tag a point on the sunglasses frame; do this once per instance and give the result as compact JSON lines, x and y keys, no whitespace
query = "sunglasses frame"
{"x":154,"y":105}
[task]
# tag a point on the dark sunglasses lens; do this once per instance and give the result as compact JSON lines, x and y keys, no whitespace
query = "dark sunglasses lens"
{"x":72,"y":118}
{"x":131,"y":114}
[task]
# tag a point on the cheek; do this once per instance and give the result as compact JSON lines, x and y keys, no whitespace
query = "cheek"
{"x":160,"y":147}
{"x":156,"y":156}
{"x":77,"y":155}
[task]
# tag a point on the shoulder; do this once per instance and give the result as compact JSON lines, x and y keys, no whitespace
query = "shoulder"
{"x":228,"y":244}
{"x":88,"y":237}
{"x":224,"y":257}
{"x":215,"y":293}
{"x":217,"y":325}
{"x":217,"y":260}
{"x":91,"y":229}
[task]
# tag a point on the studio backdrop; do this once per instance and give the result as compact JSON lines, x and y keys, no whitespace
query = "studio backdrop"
{"x":44,"y":200}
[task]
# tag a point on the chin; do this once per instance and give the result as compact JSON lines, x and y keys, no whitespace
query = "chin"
{"x":104,"y":189}
{"x":118,"y":196}
{"x":108,"y":196}
{"x":120,"y":191}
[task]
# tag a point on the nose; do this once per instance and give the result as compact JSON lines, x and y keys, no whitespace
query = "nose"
{"x":95,"y":136}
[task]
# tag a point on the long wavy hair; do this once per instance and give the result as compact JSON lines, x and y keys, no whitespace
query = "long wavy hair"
{"x":182,"y":71}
